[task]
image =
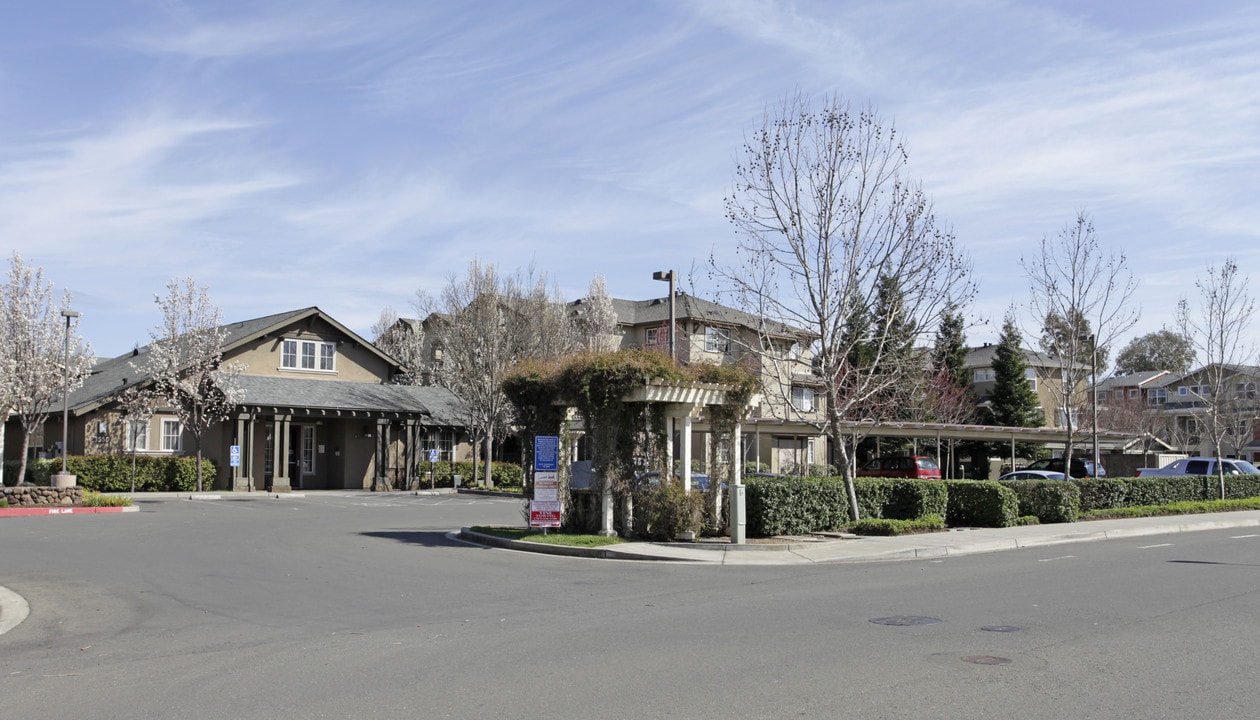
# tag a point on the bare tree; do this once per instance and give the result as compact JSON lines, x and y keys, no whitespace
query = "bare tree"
{"x":1219,"y":328}
{"x":37,"y":342}
{"x":595,"y":321}
{"x":825,"y":215}
{"x":483,"y":323}
{"x":1081,"y":294}
{"x":404,"y":340}
{"x":186,"y":361}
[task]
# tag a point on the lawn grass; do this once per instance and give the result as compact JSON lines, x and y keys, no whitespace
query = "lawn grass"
{"x":551,"y":538}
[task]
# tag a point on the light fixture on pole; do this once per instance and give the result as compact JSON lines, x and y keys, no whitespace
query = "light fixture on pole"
{"x":69,"y":315}
{"x":669,"y":275}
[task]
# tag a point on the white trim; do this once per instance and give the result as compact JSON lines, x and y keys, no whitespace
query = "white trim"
{"x":302,"y":355}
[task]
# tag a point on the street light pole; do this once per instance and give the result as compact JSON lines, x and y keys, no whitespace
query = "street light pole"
{"x":1093,"y":347}
{"x":69,"y":315}
{"x":669,"y":275}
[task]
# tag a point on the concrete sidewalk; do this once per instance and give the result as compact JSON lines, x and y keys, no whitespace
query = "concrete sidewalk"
{"x":865,"y":549}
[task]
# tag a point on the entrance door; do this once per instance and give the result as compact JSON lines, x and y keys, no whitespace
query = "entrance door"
{"x":301,"y":455}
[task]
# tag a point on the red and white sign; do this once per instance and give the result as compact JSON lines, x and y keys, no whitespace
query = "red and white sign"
{"x":544,"y":513}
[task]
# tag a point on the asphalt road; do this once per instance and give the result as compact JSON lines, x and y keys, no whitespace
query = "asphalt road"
{"x":358,"y":606}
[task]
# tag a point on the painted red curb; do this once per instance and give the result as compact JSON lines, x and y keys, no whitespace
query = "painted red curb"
{"x":20,"y":512}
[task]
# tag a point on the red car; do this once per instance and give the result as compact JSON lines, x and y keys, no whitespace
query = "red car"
{"x":918,"y":466}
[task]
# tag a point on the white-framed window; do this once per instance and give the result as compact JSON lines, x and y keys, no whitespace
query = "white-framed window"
{"x":803,"y":398}
{"x":1133,"y":393}
{"x":651,"y":337}
{"x":717,"y":339}
{"x":1157,"y":396}
{"x":980,"y":375}
{"x":1247,"y":390}
{"x":171,"y":433}
{"x":1031,"y":374}
{"x":308,"y":449}
{"x":308,"y":355}
{"x":809,"y":452}
{"x":1183,"y":391}
{"x":137,"y":435}
{"x":1102,"y":396}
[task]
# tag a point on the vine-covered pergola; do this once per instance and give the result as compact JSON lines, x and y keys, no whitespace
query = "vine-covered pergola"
{"x":629,"y":403}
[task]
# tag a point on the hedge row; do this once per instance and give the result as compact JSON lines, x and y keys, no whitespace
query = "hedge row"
{"x":112,"y":473}
{"x":793,"y":505}
{"x":503,"y":474}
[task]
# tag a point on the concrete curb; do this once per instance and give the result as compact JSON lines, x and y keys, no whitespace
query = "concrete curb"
{"x":13,"y":609}
{"x":600,"y":553}
{"x":58,"y":510}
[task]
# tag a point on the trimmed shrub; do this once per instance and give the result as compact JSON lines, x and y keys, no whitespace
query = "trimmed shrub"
{"x":885,"y":526}
{"x":795,"y":505}
{"x":504,"y":474}
{"x":1048,"y":501}
{"x":112,"y":473}
{"x":665,"y":511}
{"x":981,"y":504}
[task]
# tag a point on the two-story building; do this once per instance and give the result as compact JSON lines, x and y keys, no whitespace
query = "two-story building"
{"x":782,"y":432}
{"x":1043,"y":371}
{"x":318,"y":410}
{"x":1189,"y":405}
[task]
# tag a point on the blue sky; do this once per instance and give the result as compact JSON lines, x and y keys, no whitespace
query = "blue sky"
{"x":348,"y":154}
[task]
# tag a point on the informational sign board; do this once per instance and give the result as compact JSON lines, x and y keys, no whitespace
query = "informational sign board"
{"x":546,"y":486}
{"x":433,"y":455}
{"x":234,"y":455}
{"x":546,"y":453}
{"x":544,"y":513}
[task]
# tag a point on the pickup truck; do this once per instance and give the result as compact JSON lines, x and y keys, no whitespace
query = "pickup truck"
{"x":1200,"y":466}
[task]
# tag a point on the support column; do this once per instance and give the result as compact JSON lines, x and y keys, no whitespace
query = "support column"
{"x":280,"y":482}
{"x":241,"y":480}
{"x":380,"y":481}
{"x":685,"y":473}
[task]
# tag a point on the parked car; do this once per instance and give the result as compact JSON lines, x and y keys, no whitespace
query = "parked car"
{"x":1200,"y":466}
{"x":699,"y":481}
{"x":1081,"y":467}
{"x":916,"y":466}
{"x":1033,"y":475}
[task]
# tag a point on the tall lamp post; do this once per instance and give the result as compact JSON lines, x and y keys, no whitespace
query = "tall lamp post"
{"x":669,"y":275}
{"x":1093,"y":370}
{"x":67,"y":480}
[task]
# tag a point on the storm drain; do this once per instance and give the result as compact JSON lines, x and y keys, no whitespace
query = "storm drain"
{"x":1001,"y":628}
{"x":986,"y":660}
{"x":905,"y":620}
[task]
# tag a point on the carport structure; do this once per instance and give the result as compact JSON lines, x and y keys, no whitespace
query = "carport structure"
{"x":1107,"y":439}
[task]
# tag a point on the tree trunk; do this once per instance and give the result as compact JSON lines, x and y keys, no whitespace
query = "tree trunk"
{"x":489,"y":461}
{"x":26,"y":447}
{"x":838,"y":441}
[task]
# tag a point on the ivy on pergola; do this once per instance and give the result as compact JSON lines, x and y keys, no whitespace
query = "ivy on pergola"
{"x":600,"y":387}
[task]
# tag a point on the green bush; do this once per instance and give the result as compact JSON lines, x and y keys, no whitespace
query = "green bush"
{"x":1108,"y":493}
{"x":885,"y":526}
{"x":1048,"y":501}
{"x":507,"y":475}
{"x":981,"y":504}
{"x":665,"y":511}
{"x":900,"y":498}
{"x":795,"y":505}
{"x":112,"y":473}
{"x":92,"y":498}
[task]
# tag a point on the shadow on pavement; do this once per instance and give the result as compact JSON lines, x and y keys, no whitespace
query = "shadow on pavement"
{"x":431,"y":538}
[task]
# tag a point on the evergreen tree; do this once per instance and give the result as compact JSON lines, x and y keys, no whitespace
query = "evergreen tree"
{"x":1013,"y":402}
{"x":949,"y":352}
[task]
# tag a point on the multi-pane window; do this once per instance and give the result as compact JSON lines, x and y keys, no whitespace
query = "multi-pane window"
{"x":716,"y":339}
{"x":1133,"y":393}
{"x":803,"y":398}
{"x":982,"y":375}
{"x":1031,"y":374}
{"x":171,"y":431}
{"x":308,"y":355}
{"x":137,"y":435}
{"x":651,"y":337}
{"x":308,"y":449}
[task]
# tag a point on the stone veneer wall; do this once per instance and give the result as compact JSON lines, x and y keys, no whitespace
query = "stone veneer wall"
{"x":39,"y":496}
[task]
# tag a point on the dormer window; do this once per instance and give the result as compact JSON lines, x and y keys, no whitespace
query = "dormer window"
{"x":313,"y":355}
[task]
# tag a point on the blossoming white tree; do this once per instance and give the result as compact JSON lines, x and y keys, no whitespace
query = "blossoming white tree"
{"x":186,"y":361}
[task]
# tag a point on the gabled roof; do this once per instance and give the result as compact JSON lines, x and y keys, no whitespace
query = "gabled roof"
{"x":655,"y":311}
{"x":1134,"y":380}
{"x":983,"y":357}
{"x":109,"y":377}
{"x":1251,"y":371}
{"x":437,"y":404}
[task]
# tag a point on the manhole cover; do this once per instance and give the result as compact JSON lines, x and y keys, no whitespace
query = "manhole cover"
{"x":1001,"y":628}
{"x":986,"y":660}
{"x":904,"y":620}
